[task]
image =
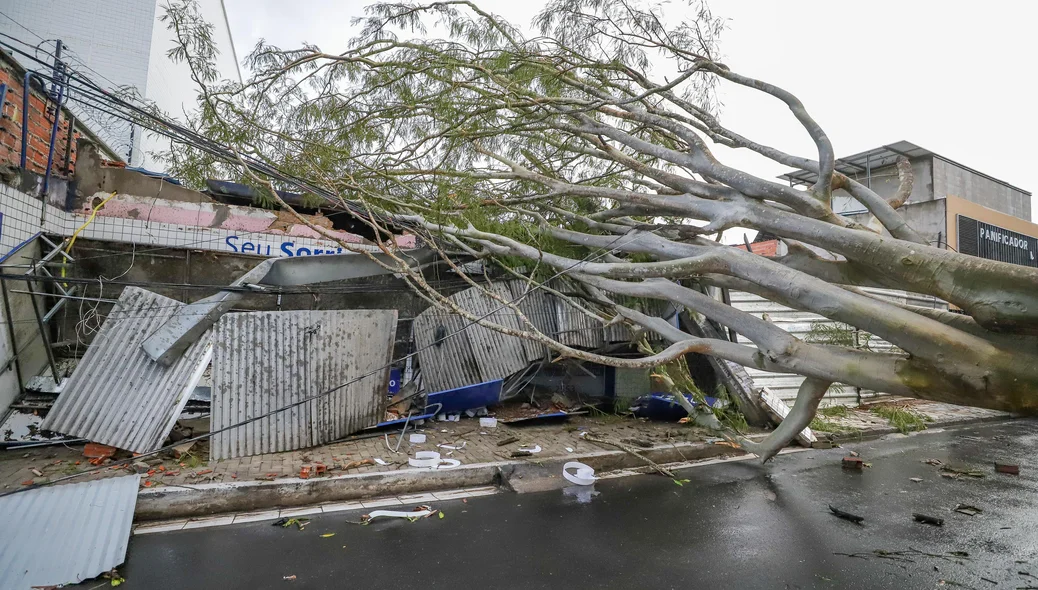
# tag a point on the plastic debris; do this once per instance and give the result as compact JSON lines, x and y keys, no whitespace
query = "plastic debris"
{"x":412,"y":516}
{"x":968,"y":510}
{"x":488,"y":422}
{"x":380,"y":461}
{"x":569,"y":449}
{"x":578,"y":473}
{"x":846,"y":515}
{"x":416,"y":438}
{"x":535,"y":449}
{"x":923,"y":518}
{"x":424,"y":459}
{"x":454,"y":447}
{"x":915,"y":479}
{"x":288,"y":577}
{"x":432,"y":460}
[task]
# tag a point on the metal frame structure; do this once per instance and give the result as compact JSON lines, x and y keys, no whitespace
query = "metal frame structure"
{"x":36,"y":269}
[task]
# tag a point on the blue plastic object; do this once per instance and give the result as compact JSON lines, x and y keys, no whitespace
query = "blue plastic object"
{"x":469,"y":397}
{"x":663,"y":406}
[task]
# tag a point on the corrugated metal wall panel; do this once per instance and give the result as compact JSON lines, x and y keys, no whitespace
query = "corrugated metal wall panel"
{"x":65,"y":534}
{"x":481,"y":354}
{"x":538,"y":309}
{"x":575,"y":327}
{"x":497,"y":355}
{"x":117,"y":395}
{"x":800,"y":323}
{"x":446,"y":364}
{"x":267,"y":360}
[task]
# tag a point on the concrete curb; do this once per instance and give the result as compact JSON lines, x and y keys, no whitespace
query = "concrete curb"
{"x":215,"y":498}
{"x":208,"y":499}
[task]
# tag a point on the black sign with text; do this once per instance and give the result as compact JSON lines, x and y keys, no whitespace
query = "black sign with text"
{"x":995,"y":243}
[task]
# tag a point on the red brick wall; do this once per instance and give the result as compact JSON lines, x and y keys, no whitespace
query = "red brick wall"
{"x":768,"y":248}
{"x":41,"y":119}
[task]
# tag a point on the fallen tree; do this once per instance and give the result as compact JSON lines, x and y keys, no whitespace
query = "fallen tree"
{"x":587,"y":151}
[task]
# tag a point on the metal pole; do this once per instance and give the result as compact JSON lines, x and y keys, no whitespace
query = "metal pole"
{"x":726,"y":298}
{"x":10,"y":332}
{"x":56,"y":69}
{"x":26,"y":92}
{"x":868,"y":171}
{"x":53,"y":133}
{"x":67,"y":167}
{"x":3,"y":97}
{"x":46,"y":337}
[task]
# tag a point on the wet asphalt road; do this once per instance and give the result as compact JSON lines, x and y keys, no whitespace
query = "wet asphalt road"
{"x":734,"y":525}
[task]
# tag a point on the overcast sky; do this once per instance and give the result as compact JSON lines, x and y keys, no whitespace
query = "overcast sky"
{"x":951,"y":76}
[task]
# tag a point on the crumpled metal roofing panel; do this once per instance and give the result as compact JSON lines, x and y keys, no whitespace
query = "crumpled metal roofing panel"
{"x":497,"y":354}
{"x":480,"y":354}
{"x":447,"y":363}
{"x":117,"y":395}
{"x":263,"y":361}
{"x":65,"y":534}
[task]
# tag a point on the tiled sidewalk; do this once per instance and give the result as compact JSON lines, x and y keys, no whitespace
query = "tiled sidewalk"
{"x":481,"y":446}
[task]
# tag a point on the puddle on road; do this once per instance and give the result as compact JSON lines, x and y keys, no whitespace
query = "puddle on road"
{"x":580,"y":494}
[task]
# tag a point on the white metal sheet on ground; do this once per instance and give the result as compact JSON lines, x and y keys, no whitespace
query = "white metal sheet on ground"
{"x":117,"y":395}
{"x":65,"y":534}
{"x":263,"y":361}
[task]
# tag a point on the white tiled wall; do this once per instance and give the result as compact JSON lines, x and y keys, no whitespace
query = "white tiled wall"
{"x":22,"y":215}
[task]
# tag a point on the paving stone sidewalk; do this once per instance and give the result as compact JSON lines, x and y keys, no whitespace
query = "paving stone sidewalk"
{"x":481,"y":445}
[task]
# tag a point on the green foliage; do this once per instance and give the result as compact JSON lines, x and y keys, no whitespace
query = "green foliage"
{"x":903,"y":419}
{"x":820,"y":424}
{"x":838,"y":334}
{"x":831,"y":411}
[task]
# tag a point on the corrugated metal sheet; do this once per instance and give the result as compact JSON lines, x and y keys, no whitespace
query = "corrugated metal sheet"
{"x":267,"y":360}
{"x":447,"y":363}
{"x":575,"y":327}
{"x":497,"y":354}
{"x":540,"y":312}
{"x":800,"y":323}
{"x":480,"y":354}
{"x":65,"y":534}
{"x":119,"y":396}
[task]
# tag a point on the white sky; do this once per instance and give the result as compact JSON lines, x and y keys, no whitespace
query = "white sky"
{"x":951,"y":76}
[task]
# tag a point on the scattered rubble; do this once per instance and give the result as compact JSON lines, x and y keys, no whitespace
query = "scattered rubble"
{"x":1007,"y":469}
{"x":846,"y":515}
{"x":925,"y":519}
{"x":852,"y":463}
{"x":968,"y":510}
